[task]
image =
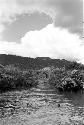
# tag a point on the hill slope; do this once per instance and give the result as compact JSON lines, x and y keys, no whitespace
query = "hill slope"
{"x":23,"y":73}
{"x":36,"y":63}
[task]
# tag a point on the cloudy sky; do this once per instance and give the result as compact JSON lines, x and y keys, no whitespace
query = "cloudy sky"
{"x":47,"y":28}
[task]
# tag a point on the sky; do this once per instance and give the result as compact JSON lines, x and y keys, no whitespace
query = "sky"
{"x":42,"y":28}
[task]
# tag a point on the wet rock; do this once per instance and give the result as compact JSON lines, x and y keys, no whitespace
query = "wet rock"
{"x":58,"y":105}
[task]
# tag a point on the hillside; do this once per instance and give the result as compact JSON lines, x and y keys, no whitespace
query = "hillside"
{"x":37,"y":63}
{"x":23,"y":73}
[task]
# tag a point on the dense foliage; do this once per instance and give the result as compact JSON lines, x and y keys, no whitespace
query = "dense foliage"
{"x":67,"y":80}
{"x":12,"y":78}
{"x":37,"y":63}
{"x":23,"y":73}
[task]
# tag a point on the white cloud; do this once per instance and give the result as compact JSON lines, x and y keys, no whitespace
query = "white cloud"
{"x":48,"y":42}
{"x":1,"y":30}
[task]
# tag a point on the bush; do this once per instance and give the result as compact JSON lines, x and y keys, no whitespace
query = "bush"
{"x":16,"y":79}
{"x":67,"y":80}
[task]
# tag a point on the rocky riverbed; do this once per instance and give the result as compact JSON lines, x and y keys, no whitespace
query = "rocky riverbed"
{"x":41,"y":106}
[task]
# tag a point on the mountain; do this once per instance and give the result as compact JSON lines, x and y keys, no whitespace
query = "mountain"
{"x":36,"y":63}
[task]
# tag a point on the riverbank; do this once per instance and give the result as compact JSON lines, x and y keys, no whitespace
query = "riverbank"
{"x":13,"y":78}
{"x":17,"y":73}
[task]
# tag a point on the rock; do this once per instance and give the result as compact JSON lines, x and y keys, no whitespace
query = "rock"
{"x":58,"y":105}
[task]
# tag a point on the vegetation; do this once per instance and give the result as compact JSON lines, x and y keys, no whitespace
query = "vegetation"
{"x":23,"y":73}
{"x":12,"y":78}
{"x":67,"y":80}
{"x":37,"y":63}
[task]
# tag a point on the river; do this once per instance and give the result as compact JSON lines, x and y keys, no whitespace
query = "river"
{"x":41,"y":106}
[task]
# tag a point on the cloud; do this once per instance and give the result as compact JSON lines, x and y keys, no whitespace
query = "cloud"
{"x":70,"y":14}
{"x":65,"y":13}
{"x":1,"y":30}
{"x":55,"y":40}
{"x":48,"y":42}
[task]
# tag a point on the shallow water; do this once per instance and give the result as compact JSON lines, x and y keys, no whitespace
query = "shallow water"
{"x":41,"y":106}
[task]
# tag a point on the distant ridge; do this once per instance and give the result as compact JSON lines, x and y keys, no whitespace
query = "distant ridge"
{"x":36,"y":63}
{"x":43,"y":58}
